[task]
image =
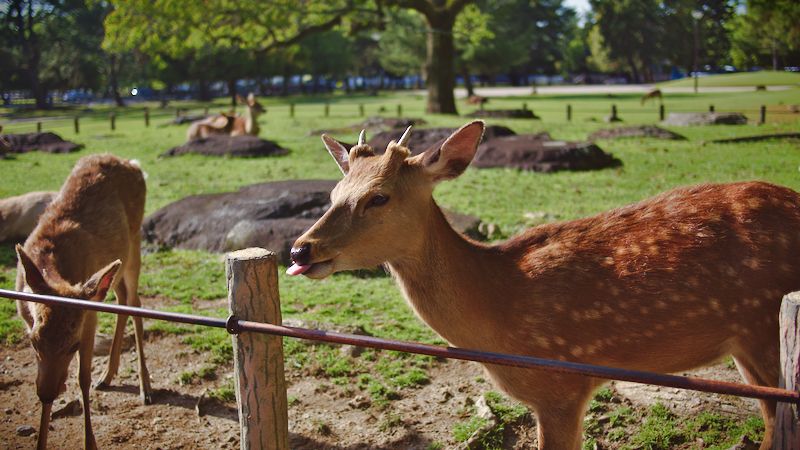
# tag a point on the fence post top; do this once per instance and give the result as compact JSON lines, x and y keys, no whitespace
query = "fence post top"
{"x":250,"y":253}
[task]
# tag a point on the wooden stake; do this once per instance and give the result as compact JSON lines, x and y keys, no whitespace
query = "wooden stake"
{"x":569,"y":113}
{"x":327,"y":109}
{"x":291,"y":109}
{"x":661,"y":112}
{"x":763,"y":117}
{"x":38,"y":127}
{"x":361,"y":110}
{"x":787,"y":425}
{"x":147,"y":117}
{"x":711,"y":108}
{"x":113,"y":119}
{"x":77,"y":125}
{"x":399,"y":110}
{"x":258,"y":359}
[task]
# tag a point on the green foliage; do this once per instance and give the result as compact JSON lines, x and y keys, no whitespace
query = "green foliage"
{"x":225,"y":393}
{"x":463,"y":430}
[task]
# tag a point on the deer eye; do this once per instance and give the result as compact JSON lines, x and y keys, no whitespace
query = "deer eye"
{"x":378,"y":200}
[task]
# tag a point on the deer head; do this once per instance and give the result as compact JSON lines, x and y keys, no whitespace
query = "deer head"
{"x":55,"y":334}
{"x":383,"y":197}
{"x":252,"y":104}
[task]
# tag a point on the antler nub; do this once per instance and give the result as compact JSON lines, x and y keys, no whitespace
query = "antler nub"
{"x":405,"y":137}
{"x":362,"y":138}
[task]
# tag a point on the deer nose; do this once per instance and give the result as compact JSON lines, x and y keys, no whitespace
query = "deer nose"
{"x":301,"y":255}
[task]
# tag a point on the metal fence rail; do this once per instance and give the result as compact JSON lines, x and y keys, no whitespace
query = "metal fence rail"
{"x":235,"y":326}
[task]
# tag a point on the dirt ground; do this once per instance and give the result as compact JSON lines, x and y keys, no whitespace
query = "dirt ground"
{"x":321,"y":415}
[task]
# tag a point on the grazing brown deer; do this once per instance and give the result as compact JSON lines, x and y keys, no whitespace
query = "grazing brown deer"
{"x":667,"y":284}
{"x":19,"y":214}
{"x":654,"y":94}
{"x":228,"y":124}
{"x":86,"y":237}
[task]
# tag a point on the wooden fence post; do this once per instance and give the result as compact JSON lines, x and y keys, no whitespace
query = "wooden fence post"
{"x":711,"y":108}
{"x":361,"y":110}
{"x":146,"y":117}
{"x":252,"y":276}
{"x":399,"y":110}
{"x":763,"y":115}
{"x":291,"y":109}
{"x":113,"y":119}
{"x":661,"y":112}
{"x":569,"y":113}
{"x":787,"y":426}
{"x":77,"y":125}
{"x":38,"y":127}
{"x":327,"y":109}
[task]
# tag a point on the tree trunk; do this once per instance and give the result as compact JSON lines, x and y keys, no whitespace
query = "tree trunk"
{"x":113,"y":81}
{"x":634,"y":70}
{"x":203,"y":91}
{"x":467,"y":81}
{"x":440,"y":63}
{"x":774,"y":55}
{"x":232,"y":91}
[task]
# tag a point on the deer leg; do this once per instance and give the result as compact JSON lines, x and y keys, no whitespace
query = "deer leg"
{"x":120,"y":291}
{"x":44,"y":426}
{"x":560,"y":422}
{"x":85,"y":378}
{"x":755,"y":371}
{"x":132,"y":282}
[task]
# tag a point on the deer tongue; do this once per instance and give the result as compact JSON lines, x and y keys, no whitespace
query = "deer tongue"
{"x":297,"y":269}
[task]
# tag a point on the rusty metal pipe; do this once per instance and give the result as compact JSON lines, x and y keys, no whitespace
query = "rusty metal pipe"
{"x":235,"y":326}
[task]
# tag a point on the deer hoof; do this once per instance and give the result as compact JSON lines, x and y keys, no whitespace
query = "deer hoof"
{"x":101,"y":385}
{"x":146,"y":398}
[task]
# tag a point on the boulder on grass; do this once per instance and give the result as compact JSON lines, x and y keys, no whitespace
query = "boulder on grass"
{"x":375,"y":124}
{"x":270,"y":215}
{"x":45,"y":142}
{"x":235,"y":146}
{"x":424,"y":138}
{"x":540,"y":154}
{"x":504,"y":114}
{"x":708,"y":118}
{"x":647,"y":131}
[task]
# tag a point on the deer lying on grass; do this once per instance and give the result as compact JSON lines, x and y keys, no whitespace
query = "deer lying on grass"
{"x":654,"y":94}
{"x":88,"y":235}
{"x":667,"y":284}
{"x":19,"y":214}
{"x":230,"y":125}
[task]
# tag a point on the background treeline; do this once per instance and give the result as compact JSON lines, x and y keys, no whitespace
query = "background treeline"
{"x":162,"y":45}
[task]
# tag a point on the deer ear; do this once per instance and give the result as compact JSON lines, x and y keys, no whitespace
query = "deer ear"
{"x":454,"y":155}
{"x":98,"y":284}
{"x":339,"y":151}
{"x":251,"y":98}
{"x":33,"y":277}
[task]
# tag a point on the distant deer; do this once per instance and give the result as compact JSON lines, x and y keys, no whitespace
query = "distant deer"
{"x":653,"y":94}
{"x":667,"y":284}
{"x":228,"y":124}
{"x":477,"y":100}
{"x":19,"y":214}
{"x":87,"y":242}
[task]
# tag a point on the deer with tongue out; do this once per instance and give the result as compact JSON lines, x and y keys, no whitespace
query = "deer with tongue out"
{"x":668,"y":284}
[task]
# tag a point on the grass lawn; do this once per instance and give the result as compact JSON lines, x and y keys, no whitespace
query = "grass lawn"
{"x":762,"y":77}
{"x":187,"y":280}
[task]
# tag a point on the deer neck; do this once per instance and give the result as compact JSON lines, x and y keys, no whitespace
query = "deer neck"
{"x":250,"y":123}
{"x":451,"y":281}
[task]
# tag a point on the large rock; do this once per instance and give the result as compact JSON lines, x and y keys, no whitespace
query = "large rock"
{"x":44,"y":142}
{"x":687,"y":119}
{"x":375,"y":124}
{"x":646,"y":131}
{"x":424,"y":138}
{"x":538,"y":153}
{"x":504,"y":114}
{"x":271,"y":215}
{"x":221,"y":145}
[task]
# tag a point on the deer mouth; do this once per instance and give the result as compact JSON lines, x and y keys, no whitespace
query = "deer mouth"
{"x":315,"y":270}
